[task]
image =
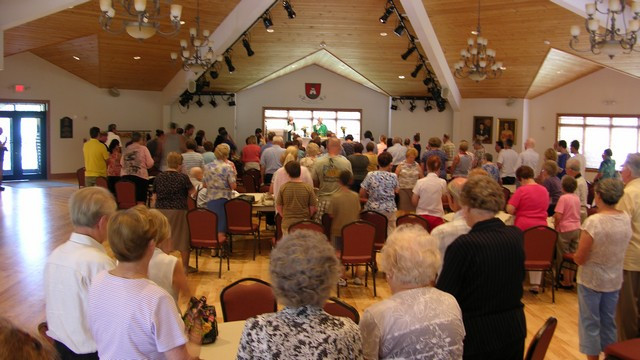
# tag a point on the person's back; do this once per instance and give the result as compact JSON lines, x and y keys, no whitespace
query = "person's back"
{"x":344,"y":209}
{"x":531,"y":203}
{"x":191,"y":159}
{"x":326,"y":171}
{"x":359,"y":165}
{"x":161,"y":269}
{"x":463,"y":166}
{"x":270,"y":159}
{"x":508,"y":158}
{"x":443,"y":159}
{"x":295,"y":199}
{"x":95,"y":158}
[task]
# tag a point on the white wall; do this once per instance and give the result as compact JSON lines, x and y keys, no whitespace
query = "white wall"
{"x":433,"y":123}
{"x":286,"y":91}
{"x":78,"y":99}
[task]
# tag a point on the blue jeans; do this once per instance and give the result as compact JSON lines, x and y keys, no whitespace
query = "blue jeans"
{"x":596,"y":326}
{"x":217,"y":206}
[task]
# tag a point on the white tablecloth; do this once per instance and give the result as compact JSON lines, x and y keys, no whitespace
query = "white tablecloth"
{"x":226,"y":345}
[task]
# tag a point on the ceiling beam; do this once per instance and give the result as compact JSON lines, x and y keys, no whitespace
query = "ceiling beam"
{"x":419,"y":19}
{"x":16,"y":13}
{"x":233,"y":26}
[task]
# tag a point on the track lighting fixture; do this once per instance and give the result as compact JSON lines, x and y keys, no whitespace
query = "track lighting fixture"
{"x":199,"y":102}
{"x":412,"y":105}
{"x":213,"y":102}
{"x":394,"y":106}
{"x":427,"y":106}
{"x":184,"y":102}
{"x":266,"y":20}
{"x":387,"y":12}
{"x":232,"y":102}
{"x":227,"y":60}
{"x":247,"y":46}
{"x":399,"y":30}
{"x":415,"y":72}
{"x":287,"y":7}
{"x":408,"y":53}
{"x":427,"y":81}
{"x":214,"y":74}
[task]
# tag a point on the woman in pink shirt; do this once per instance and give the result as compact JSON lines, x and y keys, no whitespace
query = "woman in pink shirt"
{"x":529,"y":205}
{"x":567,"y":223}
{"x":250,"y":155}
{"x":136,"y":159}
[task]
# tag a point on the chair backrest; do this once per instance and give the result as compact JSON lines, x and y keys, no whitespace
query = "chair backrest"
{"x":413,"y":219}
{"x":256,"y":176}
{"x":327,"y":220}
{"x":307,"y":225}
{"x":540,"y":343}
{"x":191,"y":202}
{"x":445,"y":204}
{"x":540,"y":243}
{"x":80,"y":177}
{"x":507,"y":195}
{"x":337,"y":307}
{"x":203,"y":227}
{"x":591,"y":193}
{"x":102,"y":182}
{"x":249,"y":183}
{"x":379,"y":221}
{"x":238,"y":213}
{"x":358,"y":238}
{"x":241,"y":301}
{"x":125,"y":194}
{"x":264,"y":189}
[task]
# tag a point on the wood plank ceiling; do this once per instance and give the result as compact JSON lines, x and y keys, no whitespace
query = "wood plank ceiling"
{"x":523,"y":32}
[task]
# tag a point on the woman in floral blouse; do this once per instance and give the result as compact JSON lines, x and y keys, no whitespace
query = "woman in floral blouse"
{"x":113,"y":165}
{"x":304,"y":269}
{"x":220,"y":181}
{"x":409,"y":171}
{"x":379,"y":188}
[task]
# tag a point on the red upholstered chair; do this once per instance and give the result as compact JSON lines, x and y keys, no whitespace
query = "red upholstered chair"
{"x":337,"y":307}
{"x":540,"y":343}
{"x":248,"y":181}
{"x":241,"y":301}
{"x":623,"y":350}
{"x":278,"y":234}
{"x":413,"y":219}
{"x":256,"y":177}
{"x":379,"y":221}
{"x":203,"y":233}
{"x":539,"y":248}
{"x":591,"y":193}
{"x":102,"y":182}
{"x":125,"y":194}
{"x":240,"y":221}
{"x":191,"y":202}
{"x":80,"y":177}
{"x":358,"y":240}
{"x":507,"y":196}
{"x":307,"y":225}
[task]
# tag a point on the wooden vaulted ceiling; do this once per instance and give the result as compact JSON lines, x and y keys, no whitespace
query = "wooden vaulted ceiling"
{"x":530,"y":37}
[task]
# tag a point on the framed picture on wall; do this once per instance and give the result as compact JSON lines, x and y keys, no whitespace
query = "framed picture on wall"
{"x":482,"y":128}
{"x":507,"y":129}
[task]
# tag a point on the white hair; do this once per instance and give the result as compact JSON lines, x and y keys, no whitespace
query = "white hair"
{"x":411,"y":256}
{"x":88,"y":205}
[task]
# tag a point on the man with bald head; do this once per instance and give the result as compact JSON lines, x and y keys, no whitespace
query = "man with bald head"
{"x":529,"y":156}
{"x":326,"y":173}
{"x":449,"y":231}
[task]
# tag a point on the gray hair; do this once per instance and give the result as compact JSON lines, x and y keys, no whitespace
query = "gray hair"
{"x":455,"y":188}
{"x":88,"y":205}
{"x":483,"y":193}
{"x":277,"y":139}
{"x":411,"y":256}
{"x":397,"y":140}
{"x":573,"y":164}
{"x":610,"y":190}
{"x":304,"y":268}
{"x":633,"y":164}
{"x":312,"y":149}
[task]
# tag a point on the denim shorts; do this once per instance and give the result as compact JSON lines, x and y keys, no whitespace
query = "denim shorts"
{"x":596,"y":326}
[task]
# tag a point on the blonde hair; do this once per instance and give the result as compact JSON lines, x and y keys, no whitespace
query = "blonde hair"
{"x":290,"y":154}
{"x":550,"y":167}
{"x":161,"y":225}
{"x":464,"y":145}
{"x":130,"y":232}
{"x":478,"y":172}
{"x":313,"y":149}
{"x":174,"y":160}
{"x":412,"y":152}
{"x":411,"y":256}
{"x":88,"y":205}
{"x":222,"y":151}
{"x":551,"y":154}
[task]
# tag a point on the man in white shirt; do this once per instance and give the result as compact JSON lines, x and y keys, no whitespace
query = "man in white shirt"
{"x":112,"y":134}
{"x":575,"y":146}
{"x":70,"y":270}
{"x":529,"y":157}
{"x":507,"y":160}
{"x":449,"y":231}
{"x":398,"y":151}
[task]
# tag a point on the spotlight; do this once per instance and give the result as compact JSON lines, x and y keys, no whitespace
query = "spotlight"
{"x":247,"y":46}
{"x":184,"y":101}
{"x":441,"y":105}
{"x":214,"y":74}
{"x":408,"y":52}
{"x":266,"y":20}
{"x":394,"y":106}
{"x":213,"y":102}
{"x":232,"y":101}
{"x":427,"y":81}
{"x":227,"y":60}
{"x":427,"y":106}
{"x":387,"y":12}
{"x":287,"y":7}
{"x":199,"y":102}
{"x":412,"y":106}
{"x":399,"y":30}
{"x":415,"y":72}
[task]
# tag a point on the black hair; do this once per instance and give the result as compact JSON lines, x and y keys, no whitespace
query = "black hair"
{"x":94,"y":132}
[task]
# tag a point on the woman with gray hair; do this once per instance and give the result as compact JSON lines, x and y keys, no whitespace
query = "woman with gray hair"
{"x":396,"y":327}
{"x":600,"y":254}
{"x":312,"y":151}
{"x":484,"y":270}
{"x":304,"y":269}
{"x":220,"y":181}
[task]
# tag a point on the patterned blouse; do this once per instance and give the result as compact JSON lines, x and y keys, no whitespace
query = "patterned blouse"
{"x":381,"y":187}
{"x":300,"y":333}
{"x":409,"y":174}
{"x":172,"y":189}
{"x":219,"y":175}
{"x":113,"y":164}
{"x":493,"y":171}
{"x":607,"y":169}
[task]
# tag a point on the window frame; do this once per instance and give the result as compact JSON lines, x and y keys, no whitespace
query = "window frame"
{"x":289,"y":109}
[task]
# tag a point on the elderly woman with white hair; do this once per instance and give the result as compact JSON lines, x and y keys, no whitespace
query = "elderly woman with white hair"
{"x":280,"y":177}
{"x":312,"y":151}
{"x":304,"y":269}
{"x":220,"y":181}
{"x":418,"y":321}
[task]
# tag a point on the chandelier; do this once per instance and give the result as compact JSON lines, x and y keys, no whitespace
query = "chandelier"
{"x":196,"y":52}
{"x":477,"y":61}
{"x":611,"y":40}
{"x":139,"y":22}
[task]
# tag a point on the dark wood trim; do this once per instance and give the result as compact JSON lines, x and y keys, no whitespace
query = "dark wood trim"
{"x":62,"y":176}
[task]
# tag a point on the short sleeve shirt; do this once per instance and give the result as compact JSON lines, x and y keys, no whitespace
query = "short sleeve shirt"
{"x":531,"y":203}
{"x":380,"y":185}
{"x":327,"y":171}
{"x":607,"y":169}
{"x":172,"y":189}
{"x":569,"y":206}
{"x":295,"y":199}
{"x":218,"y":176}
{"x":430,"y":189}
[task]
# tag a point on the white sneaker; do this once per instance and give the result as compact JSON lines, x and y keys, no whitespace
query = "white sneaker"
{"x":357,"y":281}
{"x":342,"y":282}
{"x":270,"y":227}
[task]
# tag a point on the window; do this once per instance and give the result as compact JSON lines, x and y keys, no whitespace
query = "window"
{"x":275,"y":119}
{"x":23,"y":107}
{"x":597,"y":133}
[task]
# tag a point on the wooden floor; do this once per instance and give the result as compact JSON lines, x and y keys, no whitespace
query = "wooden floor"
{"x":33,"y":221}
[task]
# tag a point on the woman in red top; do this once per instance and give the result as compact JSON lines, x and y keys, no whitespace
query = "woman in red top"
{"x":251,"y":154}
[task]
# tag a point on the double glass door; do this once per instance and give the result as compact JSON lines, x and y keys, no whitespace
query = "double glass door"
{"x":25,"y":155}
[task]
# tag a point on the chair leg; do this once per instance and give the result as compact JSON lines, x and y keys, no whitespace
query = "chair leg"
{"x":220,"y":255}
{"x":374,"y":270}
{"x":553,"y":287}
{"x":366,"y":275}
{"x":338,"y":289}
{"x":255,"y":245}
{"x":196,"y":259}
{"x":226,"y":253}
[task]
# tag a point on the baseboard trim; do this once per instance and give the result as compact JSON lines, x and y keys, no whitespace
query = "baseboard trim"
{"x":62,"y":176}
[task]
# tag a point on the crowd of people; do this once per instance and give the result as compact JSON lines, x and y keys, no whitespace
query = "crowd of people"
{"x":456,"y":288}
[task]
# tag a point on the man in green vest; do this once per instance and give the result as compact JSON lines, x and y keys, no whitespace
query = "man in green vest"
{"x":320,"y":128}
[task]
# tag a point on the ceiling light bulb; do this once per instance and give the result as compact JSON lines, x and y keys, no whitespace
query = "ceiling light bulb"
{"x":105,"y":5}
{"x":388,"y":11}
{"x":174,"y":55}
{"x":206,"y":33}
{"x":138,"y":57}
{"x":401,"y":77}
{"x":140,"y":5}
{"x":183,"y":43}
{"x":75,"y":57}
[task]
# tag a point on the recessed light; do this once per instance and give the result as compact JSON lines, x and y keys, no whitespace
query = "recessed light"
{"x":75,"y":57}
{"x":137,"y":58}
{"x":401,"y":77}
{"x":474,"y":32}
{"x":503,"y":68}
{"x":559,"y":72}
{"x":182,"y":22}
{"x":270,"y":30}
{"x":293,"y":66}
{"x":547,"y":42}
{"x":383,"y":34}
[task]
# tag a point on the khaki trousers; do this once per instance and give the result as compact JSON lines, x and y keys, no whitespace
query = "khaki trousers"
{"x":627,"y":312}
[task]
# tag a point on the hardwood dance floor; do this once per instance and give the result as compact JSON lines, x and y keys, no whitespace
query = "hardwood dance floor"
{"x":33,"y":221}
